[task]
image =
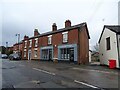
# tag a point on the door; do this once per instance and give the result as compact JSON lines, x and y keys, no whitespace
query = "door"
{"x":50,"y":54}
{"x":72,"y":54}
{"x":29,"y":55}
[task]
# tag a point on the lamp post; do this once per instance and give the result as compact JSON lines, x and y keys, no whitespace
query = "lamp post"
{"x":6,"y":47}
{"x":18,"y":35}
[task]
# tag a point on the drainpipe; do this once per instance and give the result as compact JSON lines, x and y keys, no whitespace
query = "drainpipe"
{"x":78,"y":45}
{"x":117,"y":37}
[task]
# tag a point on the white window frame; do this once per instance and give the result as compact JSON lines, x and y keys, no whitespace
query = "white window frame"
{"x":25,"y":44}
{"x":35,"y":53}
{"x":50,"y":39}
{"x":30,"y":45}
{"x":36,"y":42}
{"x":65,"y":37}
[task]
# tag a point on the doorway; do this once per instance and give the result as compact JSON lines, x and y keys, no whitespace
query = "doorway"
{"x":29,"y":55}
{"x":71,"y":54}
{"x":50,"y":54}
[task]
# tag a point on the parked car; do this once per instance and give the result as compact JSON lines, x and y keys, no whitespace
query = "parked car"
{"x":14,"y":56}
{"x":4,"y":56}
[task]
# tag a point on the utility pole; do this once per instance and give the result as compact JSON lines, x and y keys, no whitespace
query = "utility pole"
{"x":6,"y":47}
{"x":18,"y":43}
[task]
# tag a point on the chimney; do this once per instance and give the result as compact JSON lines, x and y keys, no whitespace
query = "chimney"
{"x":26,"y":37}
{"x":36,"y":32}
{"x":67,"y":23}
{"x":54,"y":27}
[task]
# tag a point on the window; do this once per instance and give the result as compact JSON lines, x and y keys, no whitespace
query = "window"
{"x":24,"y":53}
{"x":50,"y":39}
{"x":35,"y":53}
{"x":25,"y":44}
{"x":36,"y":42}
{"x":108,"y":43}
{"x":30,"y":43}
{"x":45,"y":54}
{"x":65,"y":37}
{"x":65,"y":53}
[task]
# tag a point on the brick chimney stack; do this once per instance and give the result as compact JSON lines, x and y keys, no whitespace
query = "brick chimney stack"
{"x":54,"y":27}
{"x":26,"y":37}
{"x":36,"y":32}
{"x":67,"y":23}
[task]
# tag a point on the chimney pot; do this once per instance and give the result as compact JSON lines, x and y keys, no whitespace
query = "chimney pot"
{"x":54,"y":27}
{"x":36,"y":32}
{"x":67,"y":23}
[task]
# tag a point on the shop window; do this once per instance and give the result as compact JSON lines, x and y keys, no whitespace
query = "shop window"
{"x":65,"y":54}
{"x":44,"y":54}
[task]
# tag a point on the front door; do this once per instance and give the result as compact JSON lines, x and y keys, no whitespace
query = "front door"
{"x":50,"y":54}
{"x":72,"y":54}
{"x":29,"y":55}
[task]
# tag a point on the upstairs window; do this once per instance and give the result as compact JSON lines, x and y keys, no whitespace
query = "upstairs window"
{"x":50,"y":39}
{"x":36,"y":42}
{"x":108,"y":43}
{"x":65,"y":37}
{"x":30,"y":45}
{"x":25,"y":44}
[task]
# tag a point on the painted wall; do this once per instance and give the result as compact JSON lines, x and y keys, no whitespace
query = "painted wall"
{"x":105,"y":54}
{"x":90,"y":56}
{"x":119,"y":13}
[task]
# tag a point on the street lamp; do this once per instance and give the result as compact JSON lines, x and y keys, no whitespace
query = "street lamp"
{"x":18,"y":42}
{"x":6,"y":47}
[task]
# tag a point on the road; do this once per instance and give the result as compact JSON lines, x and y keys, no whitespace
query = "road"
{"x":44,"y":74}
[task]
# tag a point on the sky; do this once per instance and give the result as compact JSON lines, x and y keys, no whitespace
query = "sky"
{"x":23,"y":16}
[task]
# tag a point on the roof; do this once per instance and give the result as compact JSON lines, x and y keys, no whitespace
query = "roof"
{"x":18,"y":43}
{"x":114,"y":28}
{"x":62,"y":30}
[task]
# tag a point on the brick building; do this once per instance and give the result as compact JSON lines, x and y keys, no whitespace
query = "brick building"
{"x":18,"y":47}
{"x":67,"y":44}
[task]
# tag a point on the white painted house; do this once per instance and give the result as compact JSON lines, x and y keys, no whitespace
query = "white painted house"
{"x":109,"y":45}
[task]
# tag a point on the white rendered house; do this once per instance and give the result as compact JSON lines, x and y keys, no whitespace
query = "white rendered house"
{"x":109,"y":45}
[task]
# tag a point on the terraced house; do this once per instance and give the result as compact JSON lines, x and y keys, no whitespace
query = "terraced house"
{"x":70,"y":43}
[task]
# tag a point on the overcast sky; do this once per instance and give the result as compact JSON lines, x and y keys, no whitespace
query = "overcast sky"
{"x":23,"y":16}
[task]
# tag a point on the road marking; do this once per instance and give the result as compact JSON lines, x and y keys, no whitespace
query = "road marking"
{"x":21,"y":65}
{"x":97,"y":71}
{"x":85,"y":84}
{"x":44,"y":71}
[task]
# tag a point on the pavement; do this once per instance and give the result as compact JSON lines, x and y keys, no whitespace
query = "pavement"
{"x":45,"y":74}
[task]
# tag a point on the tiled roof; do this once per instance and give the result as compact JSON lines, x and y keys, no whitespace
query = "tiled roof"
{"x":61,"y":30}
{"x":114,"y":28}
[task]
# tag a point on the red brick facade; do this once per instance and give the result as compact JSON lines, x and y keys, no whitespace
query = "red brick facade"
{"x":68,"y":44}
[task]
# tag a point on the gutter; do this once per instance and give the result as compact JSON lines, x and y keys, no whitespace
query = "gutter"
{"x":118,"y":49}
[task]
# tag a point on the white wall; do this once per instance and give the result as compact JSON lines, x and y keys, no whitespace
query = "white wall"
{"x":89,"y":56}
{"x":119,"y":13}
{"x":105,"y":54}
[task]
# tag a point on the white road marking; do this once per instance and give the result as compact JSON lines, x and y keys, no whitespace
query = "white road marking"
{"x":44,"y":71}
{"x":21,"y":65}
{"x":97,"y":71}
{"x":85,"y":84}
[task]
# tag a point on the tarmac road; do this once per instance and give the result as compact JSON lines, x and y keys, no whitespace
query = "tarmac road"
{"x":44,"y":74}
